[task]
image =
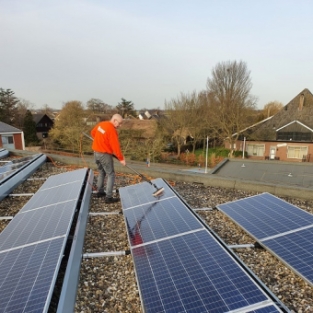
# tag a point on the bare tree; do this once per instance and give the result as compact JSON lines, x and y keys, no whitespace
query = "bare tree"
{"x":230,"y":100}
{"x":69,"y":126}
{"x":197,"y":112}
{"x":272,"y":108}
{"x":45,"y":109}
{"x":98,"y":106}
{"x":184,"y":118}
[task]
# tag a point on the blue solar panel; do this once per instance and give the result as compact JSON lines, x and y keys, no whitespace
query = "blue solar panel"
{"x":14,"y":165}
{"x":32,"y":245}
{"x":180,"y":266}
{"x":4,"y":153}
{"x":135,"y":195}
{"x":26,"y":275}
{"x":63,"y":180}
{"x":159,"y":219}
{"x":37,"y":225}
{"x":265,"y":215}
{"x":286,"y":230}
{"x":58,"y":194}
{"x":192,"y":273}
{"x":296,"y":249}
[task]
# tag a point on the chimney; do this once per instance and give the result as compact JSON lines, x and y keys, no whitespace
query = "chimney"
{"x":301,"y":102}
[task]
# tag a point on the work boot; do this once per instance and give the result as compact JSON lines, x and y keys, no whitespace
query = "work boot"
{"x":111,"y":200}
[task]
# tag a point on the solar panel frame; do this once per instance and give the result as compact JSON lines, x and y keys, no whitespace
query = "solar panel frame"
{"x":71,"y":277}
{"x":266,"y":309}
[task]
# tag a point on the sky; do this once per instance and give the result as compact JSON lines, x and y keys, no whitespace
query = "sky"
{"x":149,"y":52}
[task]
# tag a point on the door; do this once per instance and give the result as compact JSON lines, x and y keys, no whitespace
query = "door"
{"x":272,"y":153}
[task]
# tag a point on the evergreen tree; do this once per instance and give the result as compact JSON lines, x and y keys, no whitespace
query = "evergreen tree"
{"x":30,"y":129}
{"x":126,"y":108}
{"x":8,"y":109}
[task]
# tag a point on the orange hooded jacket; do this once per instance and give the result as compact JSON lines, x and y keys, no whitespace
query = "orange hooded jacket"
{"x":105,"y":139}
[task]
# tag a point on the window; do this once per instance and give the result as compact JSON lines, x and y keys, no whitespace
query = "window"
{"x":296,"y":152}
{"x":296,"y":136}
{"x":255,"y":150}
{"x":7,"y":140}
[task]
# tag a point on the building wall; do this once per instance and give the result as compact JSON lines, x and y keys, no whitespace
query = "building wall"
{"x":273,"y":150}
{"x":18,"y":143}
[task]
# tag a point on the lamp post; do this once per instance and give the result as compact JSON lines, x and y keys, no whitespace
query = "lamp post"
{"x":244,"y":147}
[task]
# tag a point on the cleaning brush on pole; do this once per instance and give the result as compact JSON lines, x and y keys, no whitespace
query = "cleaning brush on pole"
{"x":158,"y":191}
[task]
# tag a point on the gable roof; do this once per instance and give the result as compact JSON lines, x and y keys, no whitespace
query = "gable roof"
{"x":37,"y":117}
{"x":6,"y":128}
{"x":295,"y":122}
{"x":299,"y":110}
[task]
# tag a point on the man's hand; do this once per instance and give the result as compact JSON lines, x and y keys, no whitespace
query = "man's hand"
{"x":123,"y":162}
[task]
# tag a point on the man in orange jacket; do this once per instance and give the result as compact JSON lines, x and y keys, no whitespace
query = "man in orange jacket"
{"x":105,"y":145}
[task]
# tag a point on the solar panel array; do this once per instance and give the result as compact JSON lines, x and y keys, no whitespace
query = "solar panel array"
{"x":32,"y":245}
{"x":12,"y":166}
{"x":284,"y":229}
{"x":4,"y":153}
{"x":180,"y":266}
{"x":15,"y":172}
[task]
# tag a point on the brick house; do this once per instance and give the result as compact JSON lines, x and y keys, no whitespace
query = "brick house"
{"x":11,"y":137}
{"x":285,"y":136}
